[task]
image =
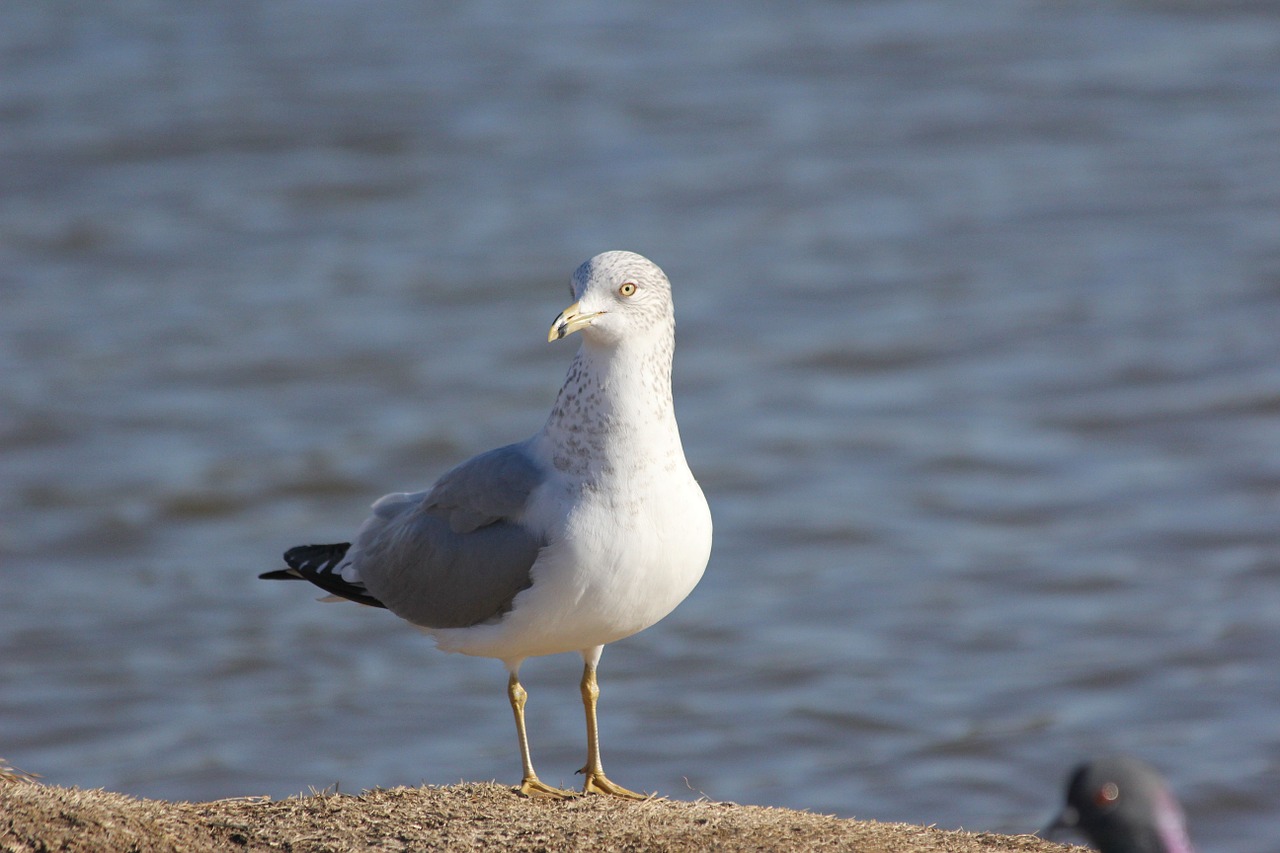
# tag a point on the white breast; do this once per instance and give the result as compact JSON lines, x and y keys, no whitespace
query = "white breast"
{"x":620,"y":561}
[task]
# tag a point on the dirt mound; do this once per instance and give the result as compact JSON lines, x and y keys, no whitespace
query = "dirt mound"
{"x":459,"y":817}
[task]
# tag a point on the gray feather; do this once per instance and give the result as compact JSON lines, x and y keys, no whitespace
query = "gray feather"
{"x":486,"y":488}
{"x":455,"y":555}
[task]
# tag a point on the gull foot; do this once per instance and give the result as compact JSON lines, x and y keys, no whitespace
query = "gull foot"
{"x":535,"y":787}
{"x":598,"y":783}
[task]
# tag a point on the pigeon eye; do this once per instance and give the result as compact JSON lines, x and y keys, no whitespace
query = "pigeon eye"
{"x":1107,"y":795}
{"x":628,"y":289}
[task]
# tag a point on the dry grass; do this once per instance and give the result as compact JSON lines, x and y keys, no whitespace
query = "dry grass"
{"x":13,"y":774}
{"x":458,"y":817}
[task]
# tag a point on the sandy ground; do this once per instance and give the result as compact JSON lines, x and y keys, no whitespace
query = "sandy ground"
{"x":483,"y":816}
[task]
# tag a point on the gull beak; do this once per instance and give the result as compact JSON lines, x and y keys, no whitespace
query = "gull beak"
{"x":569,"y":321}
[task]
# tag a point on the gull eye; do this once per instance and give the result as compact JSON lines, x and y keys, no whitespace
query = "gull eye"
{"x":628,"y":289}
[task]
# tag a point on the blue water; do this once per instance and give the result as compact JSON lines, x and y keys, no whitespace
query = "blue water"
{"x":979,"y":365}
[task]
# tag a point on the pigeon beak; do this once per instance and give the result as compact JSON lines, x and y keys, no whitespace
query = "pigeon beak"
{"x":1068,"y":818}
{"x":571,"y":320}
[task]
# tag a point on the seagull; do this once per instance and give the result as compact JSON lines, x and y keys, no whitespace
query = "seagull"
{"x":1123,"y":806}
{"x":591,"y":530}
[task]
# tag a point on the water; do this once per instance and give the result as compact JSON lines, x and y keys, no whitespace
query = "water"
{"x":979,"y":366}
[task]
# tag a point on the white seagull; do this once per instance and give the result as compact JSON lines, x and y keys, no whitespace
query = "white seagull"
{"x":588,"y":532}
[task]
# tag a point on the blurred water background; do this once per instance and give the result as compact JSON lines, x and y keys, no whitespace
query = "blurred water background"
{"x":979,"y":365}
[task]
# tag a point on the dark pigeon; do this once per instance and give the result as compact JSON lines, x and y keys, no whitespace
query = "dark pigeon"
{"x":1121,"y":805}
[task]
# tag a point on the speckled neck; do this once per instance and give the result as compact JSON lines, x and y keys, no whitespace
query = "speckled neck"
{"x":614,"y":413}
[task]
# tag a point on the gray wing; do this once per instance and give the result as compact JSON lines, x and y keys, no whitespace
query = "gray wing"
{"x":457,"y":554}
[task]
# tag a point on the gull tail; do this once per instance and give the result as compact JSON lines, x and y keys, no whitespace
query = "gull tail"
{"x":322,"y":565}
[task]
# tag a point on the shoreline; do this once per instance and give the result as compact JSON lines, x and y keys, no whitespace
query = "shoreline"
{"x":466,"y":816}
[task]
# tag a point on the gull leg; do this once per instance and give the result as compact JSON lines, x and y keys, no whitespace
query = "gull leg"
{"x":597,"y":782}
{"x":530,"y":785}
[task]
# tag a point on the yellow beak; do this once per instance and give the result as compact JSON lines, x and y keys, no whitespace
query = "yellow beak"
{"x":569,"y":321}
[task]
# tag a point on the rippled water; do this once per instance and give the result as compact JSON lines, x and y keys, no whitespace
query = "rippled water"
{"x":979,"y":366}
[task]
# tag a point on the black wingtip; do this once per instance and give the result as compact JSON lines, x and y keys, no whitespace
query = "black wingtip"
{"x":281,"y":575}
{"x":302,"y":556}
{"x":318,"y":564}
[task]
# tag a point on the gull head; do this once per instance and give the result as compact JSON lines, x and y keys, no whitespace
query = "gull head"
{"x":619,"y":295}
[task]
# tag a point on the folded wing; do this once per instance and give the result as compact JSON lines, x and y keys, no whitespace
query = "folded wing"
{"x":457,"y":554}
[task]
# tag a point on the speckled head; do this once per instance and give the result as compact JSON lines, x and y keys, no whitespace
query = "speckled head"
{"x":620,"y":295}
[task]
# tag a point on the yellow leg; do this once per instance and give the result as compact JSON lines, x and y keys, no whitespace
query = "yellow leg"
{"x":597,"y":782}
{"x":530,"y":785}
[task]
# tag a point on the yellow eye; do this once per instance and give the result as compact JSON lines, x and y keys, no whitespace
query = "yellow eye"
{"x":628,"y":289}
